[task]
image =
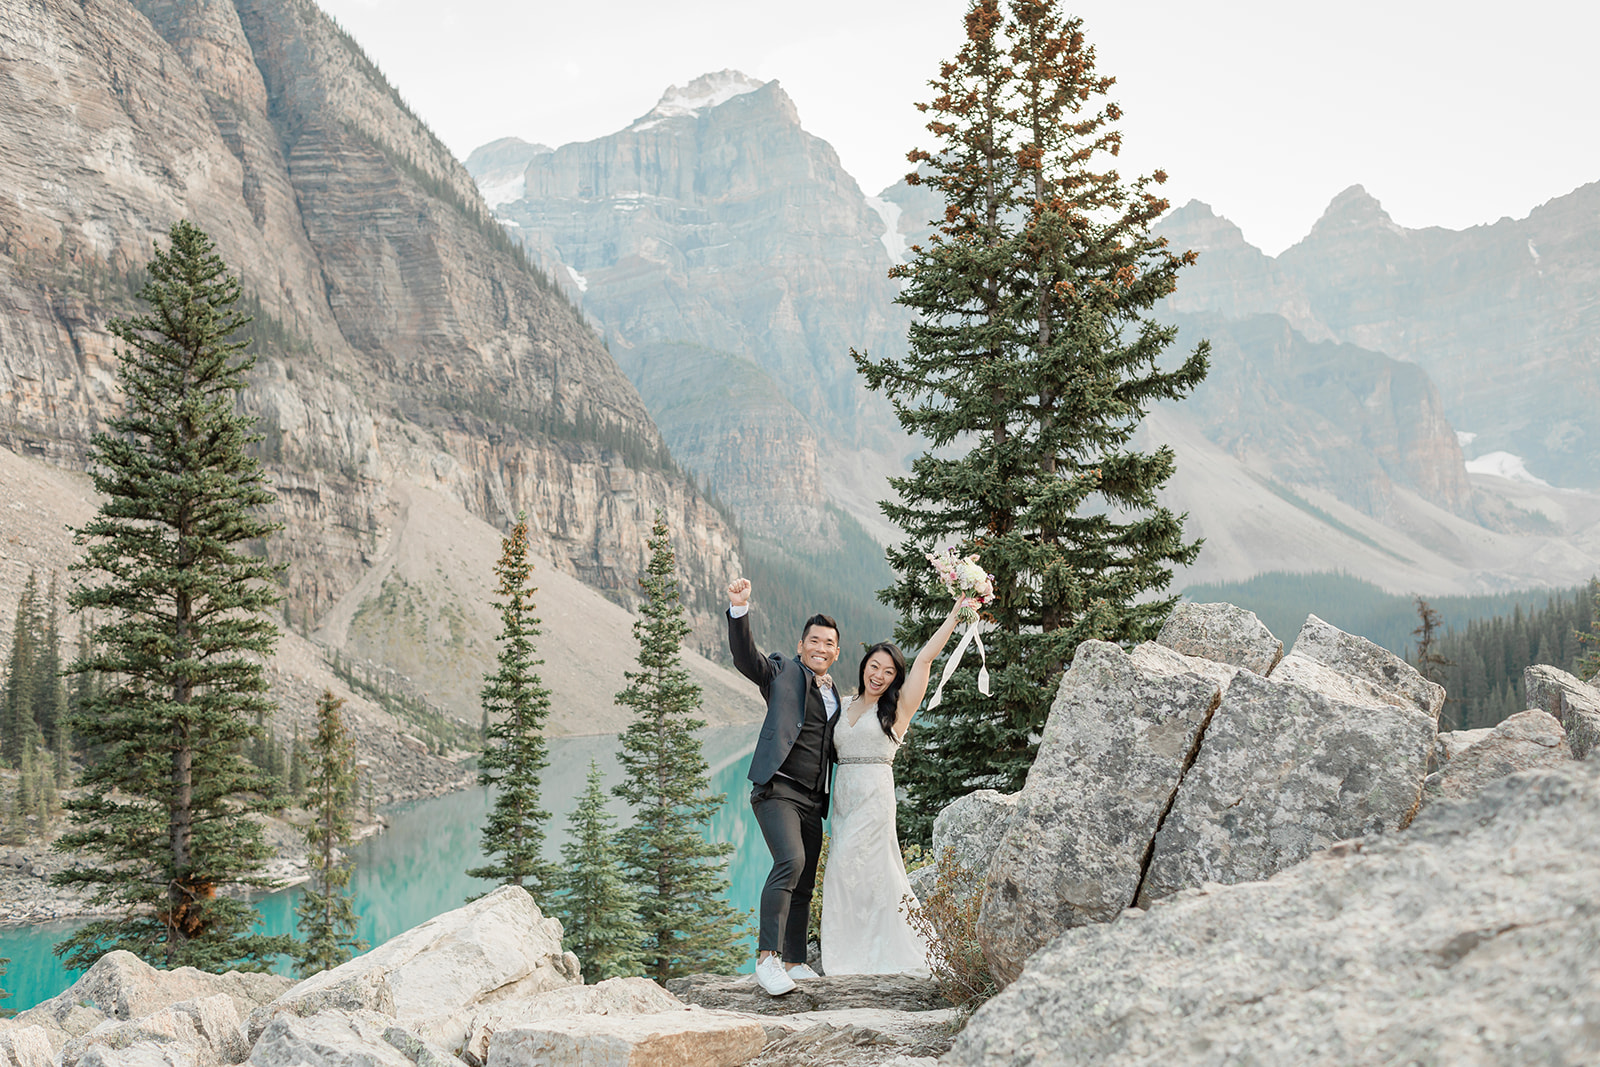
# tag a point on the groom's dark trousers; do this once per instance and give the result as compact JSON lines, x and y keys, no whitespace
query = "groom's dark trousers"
{"x":789,"y":773}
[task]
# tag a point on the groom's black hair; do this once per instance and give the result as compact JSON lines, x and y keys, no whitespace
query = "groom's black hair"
{"x":820,"y":620}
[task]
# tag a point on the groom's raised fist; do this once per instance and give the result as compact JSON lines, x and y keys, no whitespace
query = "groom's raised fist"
{"x":739,"y":592}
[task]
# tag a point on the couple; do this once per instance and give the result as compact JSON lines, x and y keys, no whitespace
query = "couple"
{"x":808,"y":727}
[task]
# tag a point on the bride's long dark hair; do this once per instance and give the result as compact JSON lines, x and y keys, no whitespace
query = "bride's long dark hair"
{"x":890,"y":700}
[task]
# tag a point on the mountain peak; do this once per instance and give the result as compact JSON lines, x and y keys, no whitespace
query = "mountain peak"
{"x":1354,"y":209}
{"x":1196,"y":225}
{"x":705,"y":92}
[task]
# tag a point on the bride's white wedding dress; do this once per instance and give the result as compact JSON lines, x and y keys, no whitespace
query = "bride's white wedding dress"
{"x":864,"y":929}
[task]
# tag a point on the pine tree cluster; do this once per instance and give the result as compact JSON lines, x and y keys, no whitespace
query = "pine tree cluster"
{"x":1483,"y":664}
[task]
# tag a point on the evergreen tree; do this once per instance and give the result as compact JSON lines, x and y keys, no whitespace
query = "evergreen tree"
{"x":327,"y":914}
{"x":19,"y":729}
{"x":298,"y":757}
{"x":49,"y":689}
{"x":597,"y":906}
{"x":1033,"y":350}
{"x":5,"y":1013}
{"x":514,"y":755}
{"x":182,"y":607}
{"x":681,"y":877}
{"x":1587,"y":662}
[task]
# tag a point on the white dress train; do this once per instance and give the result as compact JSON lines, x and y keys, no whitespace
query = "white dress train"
{"x":864,"y":927}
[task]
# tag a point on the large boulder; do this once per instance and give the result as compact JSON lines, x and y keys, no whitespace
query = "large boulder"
{"x":345,"y":1039}
{"x":1354,"y":669}
{"x":140,"y":1054}
{"x":357,"y":989}
{"x":967,"y":832}
{"x":1526,"y":740}
{"x":1447,"y":746}
{"x":1575,"y":704}
{"x":739,"y":992}
{"x":687,"y":1036}
{"x":1284,"y":771}
{"x":499,"y":947}
{"x":1223,"y":633}
{"x":1120,"y":732}
{"x":1469,"y":939}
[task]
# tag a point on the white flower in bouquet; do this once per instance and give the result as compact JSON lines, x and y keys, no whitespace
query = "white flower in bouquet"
{"x":966,"y":580}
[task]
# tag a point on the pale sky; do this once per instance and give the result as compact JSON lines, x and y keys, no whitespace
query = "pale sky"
{"x":1450,"y":113}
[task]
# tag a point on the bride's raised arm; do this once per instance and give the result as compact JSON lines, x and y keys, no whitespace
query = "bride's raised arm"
{"x":916,"y":683}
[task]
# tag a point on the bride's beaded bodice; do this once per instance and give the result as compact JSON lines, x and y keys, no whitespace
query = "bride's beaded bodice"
{"x":865,"y":742}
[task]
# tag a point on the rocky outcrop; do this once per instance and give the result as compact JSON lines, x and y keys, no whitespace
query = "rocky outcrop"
{"x":893,"y":992}
{"x":433,"y":977}
{"x":685,"y":1037}
{"x":1120,"y":734}
{"x":1527,"y":740}
{"x":1575,"y":704}
{"x":1470,"y":938}
{"x":967,"y":831}
{"x":1160,"y":772}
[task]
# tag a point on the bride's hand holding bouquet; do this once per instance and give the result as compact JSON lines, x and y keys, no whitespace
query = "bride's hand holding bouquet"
{"x":972,"y":587}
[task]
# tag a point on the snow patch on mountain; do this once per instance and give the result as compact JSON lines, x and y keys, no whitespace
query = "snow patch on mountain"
{"x":894,"y":242}
{"x":706,"y":91}
{"x":505,"y":191}
{"x":577,"y":279}
{"x":1503,"y":465}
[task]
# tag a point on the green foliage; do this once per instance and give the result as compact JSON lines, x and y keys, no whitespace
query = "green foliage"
{"x":1282,"y":601}
{"x":1486,"y":659}
{"x":1032,"y":360}
{"x":5,"y":1013}
{"x":515,"y":753}
{"x":596,"y":905}
{"x":948,"y":922}
{"x":1587,"y":664}
{"x":19,"y":714}
{"x":681,"y":878}
{"x":327,"y":914}
{"x":182,"y":613}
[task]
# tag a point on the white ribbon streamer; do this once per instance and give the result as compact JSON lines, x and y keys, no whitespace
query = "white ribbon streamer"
{"x":970,"y":637}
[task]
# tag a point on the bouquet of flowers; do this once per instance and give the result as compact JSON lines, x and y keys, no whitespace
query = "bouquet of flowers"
{"x":966,"y":581}
{"x":973,"y":588}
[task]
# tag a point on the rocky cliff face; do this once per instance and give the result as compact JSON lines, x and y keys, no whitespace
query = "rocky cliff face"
{"x":403,"y":337}
{"x":732,"y":265}
{"x":1504,"y":318}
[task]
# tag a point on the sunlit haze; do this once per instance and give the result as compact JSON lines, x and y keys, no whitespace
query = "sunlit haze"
{"x":1451,"y":114}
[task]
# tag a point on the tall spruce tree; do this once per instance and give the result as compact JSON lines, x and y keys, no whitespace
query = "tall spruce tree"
{"x":1031,"y":353}
{"x":183,"y":613}
{"x":19,"y":726}
{"x":326,"y":913}
{"x":1587,"y":662}
{"x":515,"y":753}
{"x":5,"y":1013}
{"x":49,"y":688}
{"x":681,"y":877}
{"x":597,"y":906}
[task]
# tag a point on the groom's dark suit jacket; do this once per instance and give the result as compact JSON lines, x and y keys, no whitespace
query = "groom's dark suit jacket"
{"x":791,"y":697}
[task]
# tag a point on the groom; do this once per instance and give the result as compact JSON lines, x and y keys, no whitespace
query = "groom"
{"x":790,"y":770}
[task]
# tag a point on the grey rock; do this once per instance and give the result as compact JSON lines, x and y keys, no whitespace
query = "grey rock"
{"x":140,"y":1054}
{"x":614,"y":996}
{"x":1526,"y":740}
{"x":1469,"y":939}
{"x":1575,"y":703}
{"x":1369,"y":670}
{"x":25,"y":1045}
{"x":686,"y":1036}
{"x":499,"y":947}
{"x":899,"y":992}
{"x":359,"y":989}
{"x":345,"y":1039}
{"x":1450,"y":744}
{"x":1224,"y":633}
{"x":967,"y":831}
{"x":1120,"y":733}
{"x":1283,"y":772}
{"x":209,"y":1028}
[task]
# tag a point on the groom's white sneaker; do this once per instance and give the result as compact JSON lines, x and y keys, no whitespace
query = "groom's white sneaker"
{"x":771,"y":976}
{"x":800,"y":972}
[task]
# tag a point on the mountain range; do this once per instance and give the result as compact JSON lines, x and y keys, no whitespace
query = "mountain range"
{"x":1416,"y":406}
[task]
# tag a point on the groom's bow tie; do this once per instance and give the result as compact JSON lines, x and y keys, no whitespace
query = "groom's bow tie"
{"x":824,"y":681}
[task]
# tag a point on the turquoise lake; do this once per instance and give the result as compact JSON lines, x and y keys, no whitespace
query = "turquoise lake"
{"x":414,"y":870}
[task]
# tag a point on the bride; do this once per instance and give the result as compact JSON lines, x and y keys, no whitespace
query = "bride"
{"x":864,"y":927}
